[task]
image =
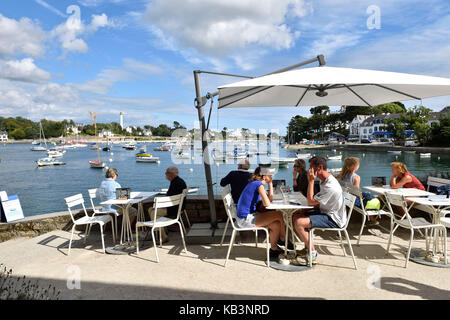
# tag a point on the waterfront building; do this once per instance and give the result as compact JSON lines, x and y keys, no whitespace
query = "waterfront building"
{"x":3,"y":136}
{"x":355,"y":126}
{"x":373,"y":127}
{"x":106,"y":134}
{"x":148,"y":133}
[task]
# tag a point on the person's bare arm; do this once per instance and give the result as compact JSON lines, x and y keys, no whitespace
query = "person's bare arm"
{"x":264,"y":197}
{"x":398,"y":184}
{"x":310,"y":193}
{"x":357,"y":181}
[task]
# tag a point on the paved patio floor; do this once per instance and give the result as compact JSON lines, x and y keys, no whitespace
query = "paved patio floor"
{"x":200,"y":274}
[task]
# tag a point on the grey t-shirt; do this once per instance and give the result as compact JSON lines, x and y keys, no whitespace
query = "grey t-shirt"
{"x":331,"y":200}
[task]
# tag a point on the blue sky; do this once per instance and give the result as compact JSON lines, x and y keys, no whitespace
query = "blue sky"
{"x":137,"y":56}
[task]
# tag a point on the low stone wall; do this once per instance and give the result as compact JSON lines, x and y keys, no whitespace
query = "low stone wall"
{"x":197,"y":207}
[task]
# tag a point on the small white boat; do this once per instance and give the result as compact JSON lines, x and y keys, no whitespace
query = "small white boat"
{"x":335,"y":158}
{"x":147,"y":159}
{"x":303,"y":155}
{"x":38,"y":148}
{"x":425,"y":155}
{"x":183,"y":155}
{"x":46,"y":162}
{"x":55,"y":154}
{"x":409,"y":151}
{"x":394,"y":151}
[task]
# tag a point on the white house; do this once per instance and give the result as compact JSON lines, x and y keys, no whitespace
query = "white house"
{"x":130,"y":129}
{"x":355,"y":125}
{"x":106,"y":134}
{"x":73,"y":129}
{"x":373,"y":126}
{"x":148,"y":133}
{"x":3,"y":136}
{"x":235,"y":134}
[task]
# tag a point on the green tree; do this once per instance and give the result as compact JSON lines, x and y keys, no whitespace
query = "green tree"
{"x":18,"y":134}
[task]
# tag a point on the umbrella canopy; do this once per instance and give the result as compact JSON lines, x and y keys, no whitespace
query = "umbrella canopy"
{"x":331,"y":86}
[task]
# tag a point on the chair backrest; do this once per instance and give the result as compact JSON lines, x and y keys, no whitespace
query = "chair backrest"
{"x":398,"y":200}
{"x":74,"y":201}
{"x":170,"y":201}
{"x":349,"y":202}
{"x":355,"y":191}
{"x":229,"y":205}
{"x":436,"y":182}
{"x":92,"y":196}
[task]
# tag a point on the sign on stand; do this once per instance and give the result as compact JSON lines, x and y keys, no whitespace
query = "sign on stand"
{"x":10,"y":208}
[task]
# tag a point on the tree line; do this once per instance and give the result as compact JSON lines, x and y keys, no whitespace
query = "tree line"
{"x":20,"y":128}
{"x":416,"y":118}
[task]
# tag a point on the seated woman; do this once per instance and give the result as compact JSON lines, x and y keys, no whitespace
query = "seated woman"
{"x":348,"y":175}
{"x":249,"y":217}
{"x":402,"y":178}
{"x":300,"y":177}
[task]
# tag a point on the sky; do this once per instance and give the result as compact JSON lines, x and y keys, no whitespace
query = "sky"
{"x":60,"y":59}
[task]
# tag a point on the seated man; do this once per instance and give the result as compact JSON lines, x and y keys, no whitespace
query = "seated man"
{"x":107,"y":191}
{"x":237,"y":179}
{"x":329,"y":207}
{"x":177,"y":185}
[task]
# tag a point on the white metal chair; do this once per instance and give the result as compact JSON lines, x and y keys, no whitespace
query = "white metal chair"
{"x":349,"y":202}
{"x":162,"y":222}
{"x":114,"y":213}
{"x":407,"y":222}
{"x":78,"y":200}
{"x":230,"y":209}
{"x":363,"y":211}
{"x":433,"y":182}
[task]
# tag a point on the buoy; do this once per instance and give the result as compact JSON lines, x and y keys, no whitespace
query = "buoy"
{"x":191,"y":169}
{"x":112,"y":153}
{"x":106,"y":168}
{"x":110,"y":160}
{"x":158,"y":162}
{"x":192,"y":158}
{"x":439,"y":158}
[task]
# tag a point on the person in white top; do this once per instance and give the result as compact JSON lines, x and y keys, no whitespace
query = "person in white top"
{"x":329,"y":207}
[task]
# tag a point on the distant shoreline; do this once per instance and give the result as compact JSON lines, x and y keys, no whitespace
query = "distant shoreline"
{"x":372,"y":148}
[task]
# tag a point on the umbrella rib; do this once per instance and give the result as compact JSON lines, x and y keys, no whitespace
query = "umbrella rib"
{"x":405,"y":94}
{"x":240,"y":92}
{"x":303,"y":95}
{"x":357,"y":95}
{"x":247,"y":96}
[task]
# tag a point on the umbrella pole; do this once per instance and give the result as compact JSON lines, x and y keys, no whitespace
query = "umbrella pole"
{"x":199,"y":103}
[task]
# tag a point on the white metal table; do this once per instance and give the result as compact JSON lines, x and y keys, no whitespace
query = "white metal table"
{"x":406,"y":192}
{"x":435,"y":208}
{"x":135,"y":198}
{"x":288,"y":209}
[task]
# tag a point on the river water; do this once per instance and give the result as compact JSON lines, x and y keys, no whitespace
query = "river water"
{"x":42,"y":190}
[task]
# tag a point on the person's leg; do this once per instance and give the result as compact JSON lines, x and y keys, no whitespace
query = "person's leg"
{"x":302,"y":224}
{"x":272,"y":219}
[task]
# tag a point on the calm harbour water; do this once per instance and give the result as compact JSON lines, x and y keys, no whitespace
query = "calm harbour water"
{"x":42,"y":190}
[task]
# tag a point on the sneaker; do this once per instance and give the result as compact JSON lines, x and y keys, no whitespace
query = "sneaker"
{"x":304,"y":260}
{"x":290,"y":245}
{"x":273,"y":254}
{"x":371,"y":223}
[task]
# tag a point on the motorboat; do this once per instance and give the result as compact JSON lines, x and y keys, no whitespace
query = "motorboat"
{"x":55,"y":154}
{"x":46,"y":162}
{"x":335,"y":158}
{"x":395,"y":151}
{"x":162,"y":148}
{"x":146,"y":157}
{"x":97,"y":164}
{"x":303,"y":155}
{"x":107,"y":149}
{"x":425,"y":155}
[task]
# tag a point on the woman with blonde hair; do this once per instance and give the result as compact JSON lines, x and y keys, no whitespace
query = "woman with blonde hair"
{"x":402,"y":178}
{"x":348,"y":175}
{"x":249,"y":216}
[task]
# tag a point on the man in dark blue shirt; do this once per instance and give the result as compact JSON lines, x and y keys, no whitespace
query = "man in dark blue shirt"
{"x":237,"y":179}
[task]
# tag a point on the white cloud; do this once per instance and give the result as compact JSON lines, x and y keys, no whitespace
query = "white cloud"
{"x":21,"y":37}
{"x":51,"y":8}
{"x":70,"y":33}
{"x":330,"y":43}
{"x":22,"y":70}
{"x":96,"y":3}
{"x":130,"y":71}
{"x":218,"y":28}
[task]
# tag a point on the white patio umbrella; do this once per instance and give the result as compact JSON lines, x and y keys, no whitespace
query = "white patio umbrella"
{"x":331,"y":86}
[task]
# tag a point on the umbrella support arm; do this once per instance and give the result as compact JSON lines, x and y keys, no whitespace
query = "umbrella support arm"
{"x":200,"y":102}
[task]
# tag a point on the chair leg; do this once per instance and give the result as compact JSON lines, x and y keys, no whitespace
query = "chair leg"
{"x":115,"y":225}
{"x":182,"y":224}
{"x":233,"y":235}
{"x":362,"y":228}
{"x":112,"y":230}
{"x":137,"y":239}
{"x":310,"y":247}
{"x":86,"y":232}
{"x":427,"y":243}
{"x":187,"y":218}
{"x":351,"y":249}
{"x":256,"y":238}
{"x":391,"y":238}
{"x":154,"y":244}
{"x":224,"y":232}
{"x":445,"y":245}
{"x":71,"y":237}
{"x":182,"y":238}
{"x":342,"y":244}
{"x":103,"y":238}
{"x":409,"y":248}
